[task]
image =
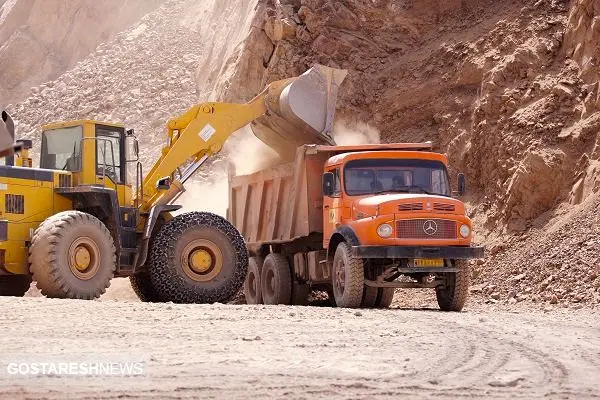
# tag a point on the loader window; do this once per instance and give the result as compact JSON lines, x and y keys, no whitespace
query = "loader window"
{"x":372,"y":176}
{"x":109,"y":152}
{"x":61,"y":148}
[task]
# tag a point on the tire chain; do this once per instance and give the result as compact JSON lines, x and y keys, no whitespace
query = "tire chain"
{"x":171,"y":287}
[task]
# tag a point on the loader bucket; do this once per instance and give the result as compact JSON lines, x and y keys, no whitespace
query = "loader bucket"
{"x":300,"y":111}
{"x":7,"y":132}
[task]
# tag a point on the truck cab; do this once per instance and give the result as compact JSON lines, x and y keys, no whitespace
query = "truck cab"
{"x":393,"y":202}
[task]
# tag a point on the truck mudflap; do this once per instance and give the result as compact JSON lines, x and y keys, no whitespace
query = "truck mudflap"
{"x":447,"y":252}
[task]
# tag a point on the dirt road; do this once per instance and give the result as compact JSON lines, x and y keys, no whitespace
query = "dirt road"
{"x":226,"y":351}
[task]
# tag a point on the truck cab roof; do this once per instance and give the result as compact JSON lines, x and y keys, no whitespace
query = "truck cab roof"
{"x":392,"y":154}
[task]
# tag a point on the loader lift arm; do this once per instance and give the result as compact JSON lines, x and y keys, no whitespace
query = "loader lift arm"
{"x":193,"y":137}
{"x":287,"y":113}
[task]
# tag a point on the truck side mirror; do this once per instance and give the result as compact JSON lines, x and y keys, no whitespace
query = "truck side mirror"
{"x":462,"y":184}
{"x":328,"y":184}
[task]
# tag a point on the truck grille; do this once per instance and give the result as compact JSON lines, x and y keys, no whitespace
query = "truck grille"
{"x":410,"y":207}
{"x":426,"y":229}
{"x":443,"y":207}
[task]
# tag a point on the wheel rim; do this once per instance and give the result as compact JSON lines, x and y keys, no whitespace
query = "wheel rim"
{"x":84,"y":258}
{"x":270,"y":283}
{"x":252,"y":289}
{"x":202,"y":260}
{"x":340,"y":276}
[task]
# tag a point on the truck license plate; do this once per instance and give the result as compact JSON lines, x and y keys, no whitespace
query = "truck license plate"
{"x":429,"y":262}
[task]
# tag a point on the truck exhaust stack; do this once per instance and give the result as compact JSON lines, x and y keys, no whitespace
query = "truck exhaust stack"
{"x":300,"y":111}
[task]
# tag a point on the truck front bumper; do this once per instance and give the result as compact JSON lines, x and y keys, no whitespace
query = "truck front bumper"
{"x":396,"y":252}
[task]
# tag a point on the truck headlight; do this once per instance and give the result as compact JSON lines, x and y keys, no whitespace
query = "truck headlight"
{"x":385,"y":230}
{"x":465,"y":231}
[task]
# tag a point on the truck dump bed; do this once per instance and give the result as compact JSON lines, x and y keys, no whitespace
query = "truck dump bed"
{"x":283,"y":203}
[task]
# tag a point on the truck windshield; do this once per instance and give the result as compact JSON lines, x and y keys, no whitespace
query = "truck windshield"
{"x":61,"y":148}
{"x":372,"y":176}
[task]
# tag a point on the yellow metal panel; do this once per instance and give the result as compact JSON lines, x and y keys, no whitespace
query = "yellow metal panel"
{"x":40,"y":202}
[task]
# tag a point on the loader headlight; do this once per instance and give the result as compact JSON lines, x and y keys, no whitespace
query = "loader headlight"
{"x":465,"y":231}
{"x":385,"y":230}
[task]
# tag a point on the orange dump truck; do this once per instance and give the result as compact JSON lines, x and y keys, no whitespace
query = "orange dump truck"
{"x":357,"y":222}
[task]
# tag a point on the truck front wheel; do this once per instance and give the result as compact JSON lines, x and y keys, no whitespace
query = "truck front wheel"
{"x":347,"y":277}
{"x":453,"y":295}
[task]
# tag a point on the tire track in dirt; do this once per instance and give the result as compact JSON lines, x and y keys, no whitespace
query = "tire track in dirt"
{"x":237,"y":352}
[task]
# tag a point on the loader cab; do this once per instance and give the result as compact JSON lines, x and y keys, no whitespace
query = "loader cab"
{"x":94,"y":152}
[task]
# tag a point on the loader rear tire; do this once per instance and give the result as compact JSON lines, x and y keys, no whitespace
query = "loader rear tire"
{"x":142,"y":286}
{"x":252,"y":289}
{"x":14,"y":285}
{"x":72,"y":255}
{"x":453,"y":295}
{"x":347,"y":277}
{"x":276,"y":280}
{"x":197,"y":257}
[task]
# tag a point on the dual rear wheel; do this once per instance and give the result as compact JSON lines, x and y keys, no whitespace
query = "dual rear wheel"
{"x":270,"y":281}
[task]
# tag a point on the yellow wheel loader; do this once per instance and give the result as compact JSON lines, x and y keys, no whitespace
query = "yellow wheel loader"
{"x":79,"y":220}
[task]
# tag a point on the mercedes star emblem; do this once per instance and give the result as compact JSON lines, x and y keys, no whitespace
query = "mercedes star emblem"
{"x":430,"y":227}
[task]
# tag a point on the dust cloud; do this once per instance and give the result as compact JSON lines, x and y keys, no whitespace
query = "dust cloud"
{"x":242,"y":154}
{"x":352,"y":133}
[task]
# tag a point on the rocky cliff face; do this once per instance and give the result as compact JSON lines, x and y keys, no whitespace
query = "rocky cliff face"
{"x":41,"y":39}
{"x":509,"y":90}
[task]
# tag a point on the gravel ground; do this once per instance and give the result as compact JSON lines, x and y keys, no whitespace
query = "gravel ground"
{"x":226,"y":351}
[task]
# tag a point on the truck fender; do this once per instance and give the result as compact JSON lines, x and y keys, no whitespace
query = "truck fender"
{"x":342,"y":234}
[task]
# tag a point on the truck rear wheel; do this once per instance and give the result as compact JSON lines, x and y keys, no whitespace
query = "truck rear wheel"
{"x":276,"y":280}
{"x":347,"y":277}
{"x":14,"y":285}
{"x":252,"y":289}
{"x":453,"y":295}
{"x":72,"y":255}
{"x":197,"y":257}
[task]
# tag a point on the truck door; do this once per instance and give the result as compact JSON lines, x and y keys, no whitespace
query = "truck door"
{"x":332,"y":207}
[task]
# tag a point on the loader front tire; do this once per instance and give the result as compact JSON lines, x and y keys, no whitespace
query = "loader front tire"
{"x":453,"y":295}
{"x":14,"y":285}
{"x":197,"y":257}
{"x":142,"y":286}
{"x":72,"y":255}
